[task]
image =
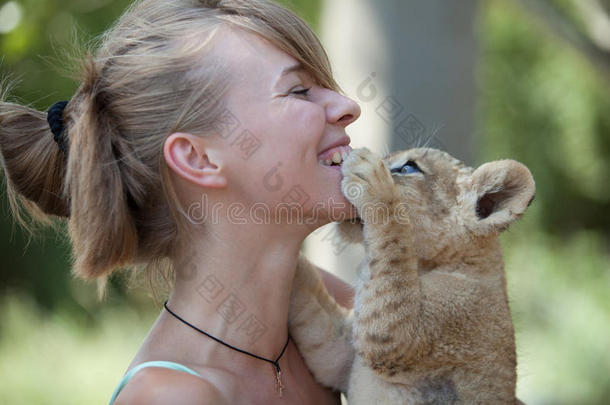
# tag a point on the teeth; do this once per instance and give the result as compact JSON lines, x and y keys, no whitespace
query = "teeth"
{"x":337,"y":158}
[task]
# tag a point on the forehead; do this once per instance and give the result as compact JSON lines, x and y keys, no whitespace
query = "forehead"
{"x":249,"y":55}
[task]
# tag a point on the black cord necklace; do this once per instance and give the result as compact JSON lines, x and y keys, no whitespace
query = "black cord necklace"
{"x":276,"y":363}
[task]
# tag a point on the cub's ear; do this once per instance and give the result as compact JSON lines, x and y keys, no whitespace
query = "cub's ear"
{"x":501,"y":192}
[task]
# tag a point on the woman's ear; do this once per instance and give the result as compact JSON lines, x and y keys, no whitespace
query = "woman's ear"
{"x":502,"y":191}
{"x":189,"y":157}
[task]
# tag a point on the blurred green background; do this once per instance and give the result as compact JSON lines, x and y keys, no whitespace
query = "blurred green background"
{"x":539,"y":101}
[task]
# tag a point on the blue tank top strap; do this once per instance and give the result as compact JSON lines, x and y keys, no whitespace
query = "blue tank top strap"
{"x":158,"y":363}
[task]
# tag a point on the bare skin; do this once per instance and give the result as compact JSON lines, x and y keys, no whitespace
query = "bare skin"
{"x":249,"y":264}
{"x":227,"y":385}
{"x":255,"y":263}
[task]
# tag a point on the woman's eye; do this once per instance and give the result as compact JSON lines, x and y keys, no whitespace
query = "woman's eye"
{"x":301,"y":92}
{"x":407,"y":168}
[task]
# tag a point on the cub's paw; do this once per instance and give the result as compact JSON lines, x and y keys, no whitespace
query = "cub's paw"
{"x":367,"y":182}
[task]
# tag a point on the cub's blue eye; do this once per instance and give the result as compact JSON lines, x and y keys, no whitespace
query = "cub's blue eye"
{"x":407,"y":168}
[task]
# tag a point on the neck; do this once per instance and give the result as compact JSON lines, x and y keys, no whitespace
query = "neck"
{"x":234,"y":283}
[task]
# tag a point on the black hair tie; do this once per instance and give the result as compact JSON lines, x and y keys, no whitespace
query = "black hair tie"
{"x":56,"y":122}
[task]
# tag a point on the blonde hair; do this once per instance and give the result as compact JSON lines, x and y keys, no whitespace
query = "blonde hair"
{"x":151,"y":75}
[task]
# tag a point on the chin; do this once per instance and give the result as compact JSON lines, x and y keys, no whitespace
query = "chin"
{"x":339,"y":208}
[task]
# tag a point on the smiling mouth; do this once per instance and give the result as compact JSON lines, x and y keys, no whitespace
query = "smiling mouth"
{"x":334,"y":156}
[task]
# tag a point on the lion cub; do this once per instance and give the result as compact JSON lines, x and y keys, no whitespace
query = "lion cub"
{"x":431,"y":322}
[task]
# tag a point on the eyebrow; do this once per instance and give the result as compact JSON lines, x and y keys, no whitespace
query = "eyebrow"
{"x":293,"y":68}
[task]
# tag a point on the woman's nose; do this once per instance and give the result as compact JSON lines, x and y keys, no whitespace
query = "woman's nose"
{"x":341,"y":110}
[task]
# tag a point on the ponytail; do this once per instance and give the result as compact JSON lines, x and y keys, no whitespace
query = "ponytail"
{"x":101,"y":226}
{"x":33,"y":165}
{"x":154,"y":72}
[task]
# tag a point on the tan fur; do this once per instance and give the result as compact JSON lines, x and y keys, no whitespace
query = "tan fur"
{"x":431,"y":321}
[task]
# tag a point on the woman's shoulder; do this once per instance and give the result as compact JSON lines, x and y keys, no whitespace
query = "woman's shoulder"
{"x":157,"y":385}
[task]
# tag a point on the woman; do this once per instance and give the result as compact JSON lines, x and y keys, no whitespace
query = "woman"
{"x":200,"y":138}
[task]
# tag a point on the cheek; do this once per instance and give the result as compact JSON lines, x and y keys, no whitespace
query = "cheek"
{"x":296,"y":137}
{"x":316,"y":118}
{"x":290,"y":131}
{"x":289,"y":139}
{"x":304,"y":119}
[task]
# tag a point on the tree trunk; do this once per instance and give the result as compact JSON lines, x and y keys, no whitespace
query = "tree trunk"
{"x":411,"y":67}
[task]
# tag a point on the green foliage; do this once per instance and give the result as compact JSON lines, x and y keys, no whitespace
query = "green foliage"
{"x":543,"y":104}
{"x":34,"y":54}
{"x":308,"y":10}
{"x":540,"y":102}
{"x":52,"y":358}
{"x":33,"y":51}
{"x":560,"y":306}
